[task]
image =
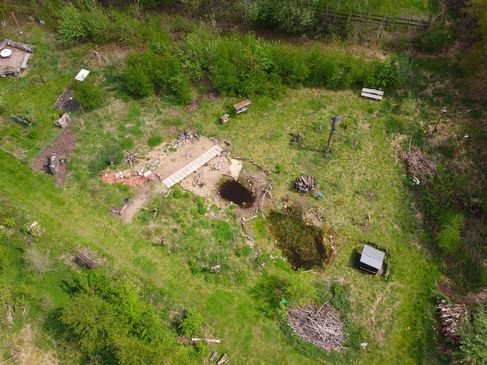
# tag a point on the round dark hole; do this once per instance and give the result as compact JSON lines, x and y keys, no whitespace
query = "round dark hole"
{"x":235,"y":192}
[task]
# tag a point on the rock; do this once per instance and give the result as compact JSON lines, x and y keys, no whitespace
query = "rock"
{"x":63,"y":122}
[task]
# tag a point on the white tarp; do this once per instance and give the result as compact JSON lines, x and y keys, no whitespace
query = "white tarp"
{"x":82,"y":75}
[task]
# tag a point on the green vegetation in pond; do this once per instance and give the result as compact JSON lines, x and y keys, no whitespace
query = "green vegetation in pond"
{"x":300,"y":241}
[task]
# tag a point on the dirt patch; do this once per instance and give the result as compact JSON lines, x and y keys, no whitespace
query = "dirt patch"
{"x":23,"y":350}
{"x":12,"y":64}
{"x":62,"y":146}
{"x":66,"y":101}
{"x":166,"y":161}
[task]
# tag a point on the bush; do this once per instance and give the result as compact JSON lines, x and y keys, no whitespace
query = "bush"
{"x":148,"y":72}
{"x":291,"y":16}
{"x":299,"y":291}
{"x":88,"y":95}
{"x":109,"y":155}
{"x":473,"y":339}
{"x":71,"y":27}
{"x":450,"y":235}
{"x":77,"y":26}
{"x":435,"y":38}
{"x":190,"y":325}
{"x":154,"y":140}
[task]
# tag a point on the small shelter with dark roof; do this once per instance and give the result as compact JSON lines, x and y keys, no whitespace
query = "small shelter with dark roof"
{"x":371,"y":260}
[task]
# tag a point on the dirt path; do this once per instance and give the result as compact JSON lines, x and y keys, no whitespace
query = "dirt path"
{"x":140,"y":199}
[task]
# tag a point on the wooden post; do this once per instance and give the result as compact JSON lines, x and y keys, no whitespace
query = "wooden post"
{"x":334,"y":122}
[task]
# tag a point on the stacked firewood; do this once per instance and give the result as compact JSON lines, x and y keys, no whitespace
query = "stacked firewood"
{"x":187,"y":136}
{"x":451,"y":318}
{"x":319,"y":325}
{"x":304,"y":184}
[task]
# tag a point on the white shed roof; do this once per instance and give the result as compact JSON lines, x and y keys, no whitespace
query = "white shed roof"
{"x":372,"y":257}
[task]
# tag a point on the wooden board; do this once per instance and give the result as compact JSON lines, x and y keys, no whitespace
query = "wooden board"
{"x":192,"y":166}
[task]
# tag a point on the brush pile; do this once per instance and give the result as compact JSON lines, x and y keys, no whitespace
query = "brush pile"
{"x":418,"y":165}
{"x":187,"y":136}
{"x":319,"y":325}
{"x":451,"y":317}
{"x":304,"y":184}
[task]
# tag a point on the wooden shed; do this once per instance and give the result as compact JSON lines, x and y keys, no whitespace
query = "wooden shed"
{"x":371,"y":260}
{"x":242,"y":106}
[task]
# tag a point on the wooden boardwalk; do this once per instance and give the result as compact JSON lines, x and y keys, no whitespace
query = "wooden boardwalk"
{"x":192,"y":166}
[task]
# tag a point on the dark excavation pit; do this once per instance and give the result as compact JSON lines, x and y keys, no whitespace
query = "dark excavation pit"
{"x":235,"y":192}
{"x":301,"y":242}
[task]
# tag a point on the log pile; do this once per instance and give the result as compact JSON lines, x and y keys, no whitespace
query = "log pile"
{"x":304,"y":184}
{"x":451,"y":318}
{"x":418,"y":165}
{"x":187,"y":136}
{"x":319,"y":325}
{"x":132,"y":158}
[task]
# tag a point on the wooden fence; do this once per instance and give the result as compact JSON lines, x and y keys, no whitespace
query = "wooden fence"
{"x":367,"y":18}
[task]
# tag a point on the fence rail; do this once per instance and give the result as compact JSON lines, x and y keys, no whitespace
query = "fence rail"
{"x":385,"y":21}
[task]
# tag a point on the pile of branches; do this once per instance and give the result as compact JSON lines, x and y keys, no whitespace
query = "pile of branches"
{"x":132,"y":158}
{"x":304,"y":184}
{"x":187,"y":136}
{"x":451,"y":318}
{"x":418,"y":165}
{"x":319,"y":325}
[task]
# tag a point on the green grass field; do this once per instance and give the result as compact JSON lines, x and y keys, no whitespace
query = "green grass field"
{"x":395,"y":314}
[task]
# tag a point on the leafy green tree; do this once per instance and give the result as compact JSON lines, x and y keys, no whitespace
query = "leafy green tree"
{"x":92,"y":320}
{"x":473,"y":348}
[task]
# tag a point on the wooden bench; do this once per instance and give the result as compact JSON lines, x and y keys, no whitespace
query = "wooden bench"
{"x":242,"y":106}
{"x":83,"y":259}
{"x":372,"y":94}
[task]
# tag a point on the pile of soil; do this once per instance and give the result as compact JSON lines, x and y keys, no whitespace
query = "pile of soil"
{"x":62,"y":146}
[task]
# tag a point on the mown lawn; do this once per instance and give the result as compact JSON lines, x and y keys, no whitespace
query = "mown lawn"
{"x":396,"y":314}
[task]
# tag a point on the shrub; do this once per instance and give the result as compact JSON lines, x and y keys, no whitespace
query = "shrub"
{"x":292,"y":16}
{"x":290,"y":65}
{"x":473,"y":339}
{"x":109,"y":155}
{"x":154,"y":140}
{"x":77,"y":26}
{"x":88,"y":95}
{"x":191,"y":323}
{"x":299,"y":291}
{"x":148,"y":72}
{"x":71,"y":27}
{"x":450,"y":235}
{"x":435,"y":39}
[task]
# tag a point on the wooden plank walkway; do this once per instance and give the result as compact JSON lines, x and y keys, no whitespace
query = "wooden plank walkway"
{"x":192,"y":166}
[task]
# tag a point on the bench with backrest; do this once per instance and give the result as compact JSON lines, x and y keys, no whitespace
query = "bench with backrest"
{"x":372,"y":94}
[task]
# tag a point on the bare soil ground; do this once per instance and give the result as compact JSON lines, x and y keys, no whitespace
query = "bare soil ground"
{"x":63,"y":145}
{"x":14,"y":61}
{"x":170,"y":164}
